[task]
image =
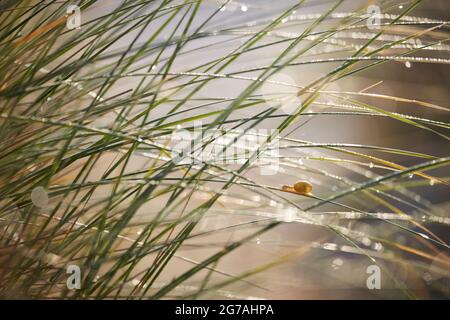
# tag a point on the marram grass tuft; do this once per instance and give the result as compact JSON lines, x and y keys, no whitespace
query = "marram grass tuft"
{"x":174,"y":149}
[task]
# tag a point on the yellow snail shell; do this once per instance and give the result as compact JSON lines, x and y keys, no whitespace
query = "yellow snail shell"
{"x":303,"y":187}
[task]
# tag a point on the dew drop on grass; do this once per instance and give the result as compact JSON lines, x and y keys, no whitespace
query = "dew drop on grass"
{"x":423,"y":235}
{"x":427,"y":277}
{"x":135,"y":282}
{"x":288,"y":214}
{"x":366,"y":241}
{"x":371,"y":165}
{"x":378,"y":247}
{"x":39,"y":197}
{"x":256,"y":198}
{"x":337,"y":263}
{"x":330,"y":246}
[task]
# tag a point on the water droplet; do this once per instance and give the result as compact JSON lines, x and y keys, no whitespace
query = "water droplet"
{"x":366,"y":241}
{"x":423,"y":235}
{"x":371,"y":165}
{"x":427,"y":277}
{"x":337,"y":263}
{"x":244,"y":8}
{"x":378,"y":247}
{"x":411,"y":175}
{"x":408,"y":64}
{"x":135,"y":282}
{"x":288,"y":214}
{"x":39,"y":197}
{"x":258,"y":241}
{"x":432,"y":182}
{"x":329,"y":246}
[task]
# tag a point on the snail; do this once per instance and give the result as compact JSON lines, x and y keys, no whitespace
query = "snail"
{"x":300,"y":187}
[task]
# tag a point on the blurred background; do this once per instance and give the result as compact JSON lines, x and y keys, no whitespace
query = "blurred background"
{"x":307,"y":260}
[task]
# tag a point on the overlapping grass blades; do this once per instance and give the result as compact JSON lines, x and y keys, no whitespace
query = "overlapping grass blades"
{"x":88,"y":115}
